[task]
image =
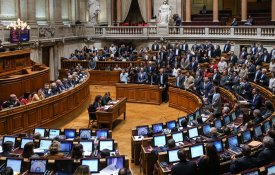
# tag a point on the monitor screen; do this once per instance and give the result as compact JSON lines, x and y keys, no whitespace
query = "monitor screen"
{"x":266,"y":126}
{"x":66,"y":146}
{"x":69,"y":133}
{"x":218,"y":144}
{"x":24,"y":141}
{"x":270,"y":170}
{"x":15,"y":164}
{"x":218,"y":123}
{"x":106,"y":144}
{"x":10,"y":139}
{"x":196,"y":151}
{"x":226,"y":120}
{"x":180,"y":119}
{"x":233,"y":116}
{"x":157,"y":128}
{"x":54,"y":133}
{"x":42,"y":131}
{"x":173,"y":156}
{"x":197,"y":113}
{"x":246,"y":136}
{"x":87,"y":146}
{"x":38,"y":166}
{"x":258,"y":131}
{"x":142,"y":130}
{"x":190,"y":117}
{"x":85,"y":133}
{"x":102,"y":133}
{"x":273,"y":119}
{"x":117,"y":162}
{"x":92,"y":163}
{"x":45,"y":143}
{"x":64,"y":166}
{"x":233,"y":142}
{"x":206,"y":129}
{"x":178,"y":137}
{"x":159,"y":140}
{"x":193,"y":132}
{"x":171,"y":124}
{"x":252,"y":173}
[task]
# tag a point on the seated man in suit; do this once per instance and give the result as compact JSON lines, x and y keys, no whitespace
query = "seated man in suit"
{"x":213,"y":134}
{"x":266,"y":156}
{"x":256,"y":99}
{"x":184,"y":167}
{"x":142,"y":76}
{"x":243,"y":163}
{"x":12,"y":102}
{"x":258,"y":118}
{"x":264,"y":80}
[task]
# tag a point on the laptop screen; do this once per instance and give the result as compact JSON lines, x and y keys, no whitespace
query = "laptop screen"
{"x":273,"y":119}
{"x":10,"y":139}
{"x":66,"y":146}
{"x":258,"y":131}
{"x":270,"y":170}
{"x":171,"y":124}
{"x":218,"y":144}
{"x":92,"y":163}
{"x":54,"y":133}
{"x":42,"y":131}
{"x":178,"y":137}
{"x":24,"y":141}
{"x":173,"y":156}
{"x":70,"y":133}
{"x":159,"y":140}
{"x":190,"y":117}
{"x":226,"y":120}
{"x":180,"y":119}
{"x":38,"y":166}
{"x":218,"y":123}
{"x":233,"y":116}
{"x":196,"y":151}
{"x":87,"y":146}
{"x":142,"y":130}
{"x":45,"y":144}
{"x":102,"y":133}
{"x":252,"y":173}
{"x":193,"y":132}
{"x":246,"y":136}
{"x":106,"y":144}
{"x":233,"y":142}
{"x":197,"y":113}
{"x":157,"y":128}
{"x":15,"y":164}
{"x":85,"y":133}
{"x":117,"y":161}
{"x":206,"y":129}
{"x":266,"y":126}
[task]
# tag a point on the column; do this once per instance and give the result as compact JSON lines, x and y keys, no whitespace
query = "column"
{"x":31,"y":12}
{"x":57,"y":12}
{"x":244,"y":10}
{"x":118,"y":11}
{"x":149,"y":10}
{"x":273,"y":10}
{"x":109,"y":8}
{"x":182,"y":10}
{"x":188,"y":10}
{"x":215,"y":10}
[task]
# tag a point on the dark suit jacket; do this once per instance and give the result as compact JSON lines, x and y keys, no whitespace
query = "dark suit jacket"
{"x":186,"y":168}
{"x":256,"y":102}
{"x":226,"y":48}
{"x":266,"y":156}
{"x":217,"y":78}
{"x":207,"y":169}
{"x":155,"y":47}
{"x":194,"y":66}
{"x":242,"y":163}
{"x":258,"y":76}
{"x":233,"y":59}
{"x":265,"y":58}
{"x":206,"y":88}
{"x":165,"y":80}
{"x":265,"y":80}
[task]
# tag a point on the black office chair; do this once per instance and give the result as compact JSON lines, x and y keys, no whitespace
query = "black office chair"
{"x":92,"y":119}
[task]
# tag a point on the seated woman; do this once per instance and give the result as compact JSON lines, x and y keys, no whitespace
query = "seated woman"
{"x":28,"y":151}
{"x":6,"y":147}
{"x":27,"y":98}
{"x":94,"y":107}
{"x":54,"y":151}
{"x":77,"y":152}
{"x":38,"y":96}
{"x":106,"y":98}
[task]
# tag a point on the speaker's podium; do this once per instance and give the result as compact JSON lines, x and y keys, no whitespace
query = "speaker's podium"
{"x":111,"y":112}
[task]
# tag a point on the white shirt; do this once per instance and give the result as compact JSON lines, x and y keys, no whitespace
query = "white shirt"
{"x":124,"y":77}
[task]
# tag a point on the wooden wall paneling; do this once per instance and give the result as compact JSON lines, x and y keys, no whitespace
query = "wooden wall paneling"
{"x":33,"y":118}
{"x":3,"y":126}
{"x":17,"y":122}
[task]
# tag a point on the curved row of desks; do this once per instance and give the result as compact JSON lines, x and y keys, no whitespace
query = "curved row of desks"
{"x":51,"y":112}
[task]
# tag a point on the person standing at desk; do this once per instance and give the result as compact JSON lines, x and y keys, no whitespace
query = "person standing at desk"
{"x":188,"y":167}
{"x":216,"y":102}
{"x":162,"y":81}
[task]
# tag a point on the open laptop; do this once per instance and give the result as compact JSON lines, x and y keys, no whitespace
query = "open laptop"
{"x":173,"y":155}
{"x":102,"y":133}
{"x":45,"y":144}
{"x":218,"y":123}
{"x":117,"y":162}
{"x":93,"y":164}
{"x":171,"y":124}
{"x":106,"y":144}
{"x":54,"y":133}
{"x":159,"y":140}
{"x":254,"y":171}
{"x":24,"y":141}
{"x":219,"y":145}
{"x":142,"y":130}
{"x":88,"y":147}
{"x":41,"y":131}
{"x":38,"y":166}
{"x":157,"y":128}
{"x":233,"y":145}
{"x":246,"y":136}
{"x":226,"y":120}
{"x":85,"y":133}
{"x":270,"y":169}
{"x":10,"y":139}
{"x":206,"y":130}
{"x":258,"y":131}
{"x":266,"y":126}
{"x":70,"y":134}
{"x":196,"y":151}
{"x":178,"y":137}
{"x":66,"y":147}
{"x":193,"y":133}
{"x":15,"y":164}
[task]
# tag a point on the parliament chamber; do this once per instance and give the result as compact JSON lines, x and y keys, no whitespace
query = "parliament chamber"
{"x":142,"y":87}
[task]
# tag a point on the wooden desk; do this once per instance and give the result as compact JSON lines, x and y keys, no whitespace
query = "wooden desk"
{"x":184,"y":100}
{"x":140,"y":93}
{"x":102,"y":77}
{"x":113,"y":113}
{"x":51,"y":112}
